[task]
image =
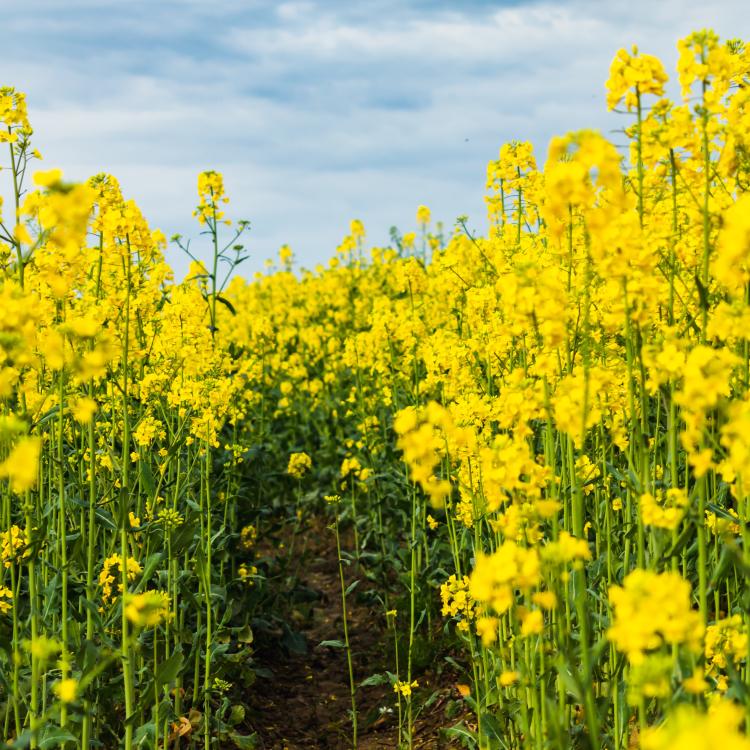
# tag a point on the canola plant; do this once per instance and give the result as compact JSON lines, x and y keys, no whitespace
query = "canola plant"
{"x":542,"y":433}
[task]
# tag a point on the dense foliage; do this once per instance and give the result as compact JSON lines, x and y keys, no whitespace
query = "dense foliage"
{"x":537,"y":438}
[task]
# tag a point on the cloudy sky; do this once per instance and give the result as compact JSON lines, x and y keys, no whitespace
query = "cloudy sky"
{"x":320,"y":112}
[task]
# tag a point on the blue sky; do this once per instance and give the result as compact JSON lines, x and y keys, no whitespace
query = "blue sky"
{"x":320,"y":112}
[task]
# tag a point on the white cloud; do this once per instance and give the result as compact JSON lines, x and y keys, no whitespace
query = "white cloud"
{"x":318,"y":112}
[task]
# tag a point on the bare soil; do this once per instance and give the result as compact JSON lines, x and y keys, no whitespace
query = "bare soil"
{"x":306,"y":701}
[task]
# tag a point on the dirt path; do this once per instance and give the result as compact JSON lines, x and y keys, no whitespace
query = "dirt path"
{"x":306,"y":702}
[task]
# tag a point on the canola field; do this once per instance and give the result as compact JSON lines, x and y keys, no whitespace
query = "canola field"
{"x":530,"y":446}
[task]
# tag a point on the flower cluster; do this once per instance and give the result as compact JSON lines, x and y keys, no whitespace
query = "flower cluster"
{"x":651,"y":610}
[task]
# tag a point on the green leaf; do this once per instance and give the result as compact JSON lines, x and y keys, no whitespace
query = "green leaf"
{"x":293,"y":641}
{"x":431,"y":700}
{"x":571,"y":685}
{"x":105,"y":517}
{"x":491,"y":727}
{"x":237,"y":714}
{"x":597,"y":650}
{"x":147,"y":478}
{"x":375,"y":679}
{"x":461,"y":731}
{"x":685,"y":536}
{"x":725,"y":565}
{"x":144,"y":732}
{"x":90,"y":652}
{"x":245,"y":635}
{"x":224,"y":301}
{"x":333,"y":644}
{"x":702,"y":293}
{"x":148,"y":569}
{"x":244,"y":742}
{"x":52,"y":737}
{"x":168,"y":670}
{"x":721,"y":512}
{"x":47,"y":416}
{"x":181,"y":538}
{"x":23,"y":741}
{"x":201,"y":569}
{"x":455,"y":664}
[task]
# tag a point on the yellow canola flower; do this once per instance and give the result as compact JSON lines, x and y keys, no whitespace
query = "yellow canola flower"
{"x":688,"y":728}
{"x":665,"y":509}
{"x":350,"y":465}
{"x":13,"y":111}
{"x":43,"y":648}
{"x":545,"y":599}
{"x":247,"y":573}
{"x":566,"y":549}
{"x":48,"y":178}
{"x":495,"y":577}
{"x":650,"y":677}
{"x":730,"y":264}
{"x":211,"y":197}
{"x":423,"y":215}
{"x":83,"y":409}
{"x":719,"y":526}
{"x":487,"y":630}
{"x":286,"y":256}
{"x":110,"y":577}
{"x":82,"y":326}
{"x":21,"y":234}
{"x":424,"y":437}
{"x":455,"y":597}
{"x":66,"y":690}
{"x":515,"y":158}
{"x":532,"y":623}
{"x":14,"y":545}
{"x":703,"y":60}
{"x":725,"y":644}
{"x":21,"y":467}
{"x":509,"y":678}
{"x":147,"y":609}
{"x":248,"y":535}
{"x":6,"y":600}
{"x":696,"y":683}
{"x":405,"y":688}
{"x":707,"y":377}
{"x":299,"y":465}
{"x":634,"y":74}
{"x":652,"y":609}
